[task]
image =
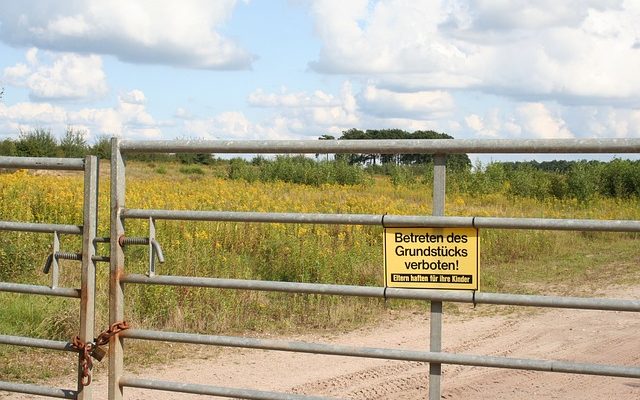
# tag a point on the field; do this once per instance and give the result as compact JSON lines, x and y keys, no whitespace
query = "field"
{"x":511,"y":261}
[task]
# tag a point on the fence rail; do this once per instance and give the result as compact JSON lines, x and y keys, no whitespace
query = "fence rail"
{"x":40,"y":227}
{"x":389,"y":220}
{"x":580,"y":303}
{"x":60,"y":164}
{"x":414,"y":146}
{"x":390,"y":354}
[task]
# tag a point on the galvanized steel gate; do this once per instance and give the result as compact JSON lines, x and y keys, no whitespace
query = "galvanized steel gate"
{"x":118,"y":379}
{"x":88,"y":258}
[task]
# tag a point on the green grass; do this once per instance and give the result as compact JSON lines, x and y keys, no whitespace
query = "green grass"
{"x":191,"y":170}
{"x":564,"y":263}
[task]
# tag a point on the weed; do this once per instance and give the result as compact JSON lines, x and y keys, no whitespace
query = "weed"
{"x":191,"y":170}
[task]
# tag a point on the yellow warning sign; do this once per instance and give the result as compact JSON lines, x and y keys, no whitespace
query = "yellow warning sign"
{"x":432,"y":258}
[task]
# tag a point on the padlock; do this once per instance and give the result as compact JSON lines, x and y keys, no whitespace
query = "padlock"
{"x":98,"y":353}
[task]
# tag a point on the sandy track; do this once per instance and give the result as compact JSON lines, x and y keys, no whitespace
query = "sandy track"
{"x":584,"y":336}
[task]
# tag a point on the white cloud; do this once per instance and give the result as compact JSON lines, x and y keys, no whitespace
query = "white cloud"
{"x":537,"y":121}
{"x":182,"y":113}
{"x":422,"y":104}
{"x":235,"y":125}
{"x":318,"y":111}
{"x":140,"y":31}
{"x":384,"y":37}
{"x":293,"y":100}
{"x":493,"y":125}
{"x":527,"y":15}
{"x":134,"y":96}
{"x":578,"y":51}
{"x":311,"y":114}
{"x":66,"y":77}
{"x":606,"y":121}
{"x":550,"y":120}
{"x":16,"y":74}
{"x":35,"y":114}
{"x":127,"y":119}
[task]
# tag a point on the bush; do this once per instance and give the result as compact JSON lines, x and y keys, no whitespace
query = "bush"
{"x":73,"y":144}
{"x":102,"y":148}
{"x":241,"y":169}
{"x":37,"y":143}
{"x":8,"y":148}
{"x":621,"y":178}
{"x":401,"y":175}
{"x":479,"y":181}
{"x":298,"y":169}
{"x":192,"y":170}
{"x":195,"y":158}
{"x":583,"y":180}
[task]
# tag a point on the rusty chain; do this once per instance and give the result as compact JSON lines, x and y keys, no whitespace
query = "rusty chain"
{"x":87,"y":349}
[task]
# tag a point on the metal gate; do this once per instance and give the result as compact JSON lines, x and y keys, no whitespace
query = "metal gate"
{"x":86,"y":292}
{"x":118,"y":379}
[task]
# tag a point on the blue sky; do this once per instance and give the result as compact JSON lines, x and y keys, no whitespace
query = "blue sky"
{"x":302,"y":68}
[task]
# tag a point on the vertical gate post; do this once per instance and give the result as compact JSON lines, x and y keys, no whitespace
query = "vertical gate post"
{"x":116,"y":270}
{"x":88,"y":274}
{"x":435,"y":332}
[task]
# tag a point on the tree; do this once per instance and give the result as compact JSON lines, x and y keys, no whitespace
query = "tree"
{"x":454,"y":161}
{"x":195,"y":158}
{"x":73,"y":144}
{"x":8,"y":148}
{"x":325,"y":137}
{"x":37,"y":143}
{"x":102,"y":148}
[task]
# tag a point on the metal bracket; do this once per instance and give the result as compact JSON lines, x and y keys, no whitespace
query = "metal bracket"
{"x":52,"y":261}
{"x":152,"y":250}
{"x":52,"y":265}
{"x":155,"y":251}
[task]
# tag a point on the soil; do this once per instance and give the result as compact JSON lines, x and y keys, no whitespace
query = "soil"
{"x":571,"y":335}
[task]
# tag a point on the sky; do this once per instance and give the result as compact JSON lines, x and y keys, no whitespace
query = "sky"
{"x":299,"y":69}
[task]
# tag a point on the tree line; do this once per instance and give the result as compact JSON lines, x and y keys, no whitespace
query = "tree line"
{"x":454,"y":161}
{"x":580,"y":179}
{"x":42,"y":143}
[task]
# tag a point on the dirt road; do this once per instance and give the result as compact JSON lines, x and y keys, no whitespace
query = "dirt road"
{"x":585,"y":336}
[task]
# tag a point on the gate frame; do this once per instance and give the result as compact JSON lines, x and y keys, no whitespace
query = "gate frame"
{"x":440,"y":148}
{"x":88,"y":230}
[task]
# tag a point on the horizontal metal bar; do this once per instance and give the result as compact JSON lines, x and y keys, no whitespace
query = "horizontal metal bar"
{"x":558,"y":224}
{"x":233,"y":216}
{"x":578,"y":303}
{"x":417,"y":146}
{"x":390,"y":354}
{"x":290,"y":287}
{"x":390,"y":220}
{"x":513,"y":223}
{"x":41,"y":290}
{"x":426,"y":221}
{"x":38,"y":390}
{"x":182,"y":387}
{"x":101,"y":258}
{"x":68,"y":164}
{"x":40,"y":228}
{"x":34,"y":342}
{"x":390,"y":293}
